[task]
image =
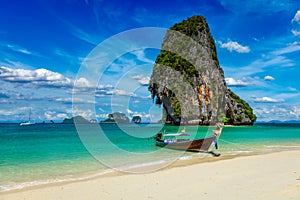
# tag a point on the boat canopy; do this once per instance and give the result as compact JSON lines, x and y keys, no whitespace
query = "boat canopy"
{"x":176,"y":134}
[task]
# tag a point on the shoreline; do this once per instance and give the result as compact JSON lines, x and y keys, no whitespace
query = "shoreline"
{"x":182,"y":162}
{"x":144,"y":168}
{"x":269,"y":176}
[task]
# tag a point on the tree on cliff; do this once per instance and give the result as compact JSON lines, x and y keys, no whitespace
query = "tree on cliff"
{"x":188,"y":81}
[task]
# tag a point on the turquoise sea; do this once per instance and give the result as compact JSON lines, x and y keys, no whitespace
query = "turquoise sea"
{"x":49,"y":153}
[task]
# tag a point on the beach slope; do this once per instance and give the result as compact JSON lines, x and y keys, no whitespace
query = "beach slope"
{"x":269,"y":176}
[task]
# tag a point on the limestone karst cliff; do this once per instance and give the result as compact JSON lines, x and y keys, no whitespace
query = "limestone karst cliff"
{"x":189,"y":83}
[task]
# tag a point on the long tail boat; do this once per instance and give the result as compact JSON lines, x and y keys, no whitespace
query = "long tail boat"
{"x":176,"y":141}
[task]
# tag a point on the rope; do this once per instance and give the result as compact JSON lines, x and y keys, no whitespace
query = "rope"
{"x":236,"y":144}
{"x":229,"y":142}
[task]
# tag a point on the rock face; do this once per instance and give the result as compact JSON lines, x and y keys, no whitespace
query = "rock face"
{"x":189,"y":83}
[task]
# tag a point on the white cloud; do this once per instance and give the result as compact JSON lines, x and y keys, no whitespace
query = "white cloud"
{"x":267,"y":100}
{"x":277,"y":112}
{"x":236,"y":83}
{"x":87,"y":114}
{"x":51,"y":115}
{"x":269,"y":78}
{"x":277,"y":61}
{"x":296,"y":18}
{"x":110,"y":105}
{"x":83,"y":83}
{"x":116,"y":92}
{"x":11,"y":62}
{"x":72,"y":59}
{"x":102,"y":116}
{"x":38,"y":77}
{"x":143,"y":115}
{"x":129,"y":111}
{"x":45,"y":78}
{"x":295,"y":111}
{"x":100,"y":87}
{"x":266,"y":6}
{"x":4,"y":101}
{"x":292,"y":89}
{"x":123,"y":93}
{"x":11,"y":112}
{"x":80,"y":34}
{"x":260,"y":65}
{"x":83,"y":86}
{"x":18,"y":49}
{"x":15,"y":113}
{"x":143,"y":80}
{"x":140,"y":54}
{"x":234,"y":46}
{"x":74,"y":100}
{"x":103,"y":90}
{"x":293,"y":47}
{"x":121,"y":66}
{"x":295,"y":32}
{"x":290,"y":95}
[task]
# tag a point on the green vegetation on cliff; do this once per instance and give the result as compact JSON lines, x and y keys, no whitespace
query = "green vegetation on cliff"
{"x":244,"y":105}
{"x":177,"y":62}
{"x":192,"y":27}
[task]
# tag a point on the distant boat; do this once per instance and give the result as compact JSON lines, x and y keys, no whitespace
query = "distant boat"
{"x":178,"y":141}
{"x":26,"y":123}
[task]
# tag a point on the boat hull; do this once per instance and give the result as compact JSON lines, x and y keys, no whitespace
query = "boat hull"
{"x":202,"y":144}
{"x":26,"y":123}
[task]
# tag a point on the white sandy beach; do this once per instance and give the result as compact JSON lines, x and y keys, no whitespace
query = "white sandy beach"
{"x":269,"y":176}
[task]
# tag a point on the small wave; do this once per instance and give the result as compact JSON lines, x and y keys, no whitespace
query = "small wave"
{"x":239,"y":152}
{"x":143,"y":165}
{"x":149,"y":164}
{"x":185,"y":158}
{"x":279,"y":146}
{"x":17,"y":186}
{"x":71,"y":178}
{"x":245,"y":151}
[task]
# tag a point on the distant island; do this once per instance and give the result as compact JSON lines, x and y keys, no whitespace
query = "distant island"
{"x":77,"y":119}
{"x":189,"y":83}
{"x":279,"y":122}
{"x":136,"y":119}
{"x":117,"y":117}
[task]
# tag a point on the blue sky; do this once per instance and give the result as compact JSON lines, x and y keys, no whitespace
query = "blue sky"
{"x":43,"y":44}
